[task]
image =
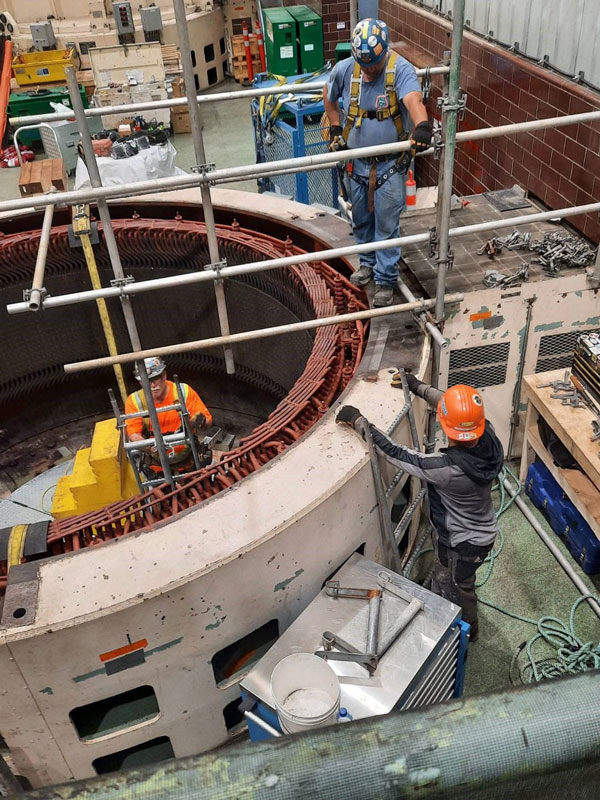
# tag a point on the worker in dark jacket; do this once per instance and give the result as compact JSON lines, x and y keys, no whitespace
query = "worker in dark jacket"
{"x":459,"y":479}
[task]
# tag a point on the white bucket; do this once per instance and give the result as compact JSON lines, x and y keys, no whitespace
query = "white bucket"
{"x":306,"y":692}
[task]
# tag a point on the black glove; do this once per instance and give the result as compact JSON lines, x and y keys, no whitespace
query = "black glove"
{"x":420,"y":138}
{"x":199,"y":422}
{"x":336,"y":140}
{"x":348,"y":415}
{"x":412,"y":382}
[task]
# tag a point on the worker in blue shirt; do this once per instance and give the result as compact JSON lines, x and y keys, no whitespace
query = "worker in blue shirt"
{"x":382,"y":102}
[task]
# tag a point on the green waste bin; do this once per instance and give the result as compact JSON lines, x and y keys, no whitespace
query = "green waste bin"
{"x":29,"y":104}
{"x":309,"y":36}
{"x":342,"y":50}
{"x":280,"y":41}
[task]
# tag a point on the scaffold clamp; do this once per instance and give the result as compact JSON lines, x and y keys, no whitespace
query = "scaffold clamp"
{"x":121,"y":283}
{"x":437,"y":143}
{"x":204,"y":169}
{"x":460,"y":105}
{"x":433,"y":242}
{"x":28,"y":292}
{"x":217,"y":267}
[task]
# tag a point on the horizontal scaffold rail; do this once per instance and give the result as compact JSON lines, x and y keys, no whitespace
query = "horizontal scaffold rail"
{"x":323,"y":160}
{"x":261,"y":333}
{"x":308,"y":87}
{"x":136,"y":287}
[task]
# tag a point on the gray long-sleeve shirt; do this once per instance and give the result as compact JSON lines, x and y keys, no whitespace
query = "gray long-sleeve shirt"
{"x":459,"y":481}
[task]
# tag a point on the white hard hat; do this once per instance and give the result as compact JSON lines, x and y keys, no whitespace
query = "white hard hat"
{"x":155,"y":366}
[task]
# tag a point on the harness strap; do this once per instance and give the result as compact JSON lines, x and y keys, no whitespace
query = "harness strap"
{"x":356,"y":114}
{"x":380,"y":180}
{"x":139,"y":399}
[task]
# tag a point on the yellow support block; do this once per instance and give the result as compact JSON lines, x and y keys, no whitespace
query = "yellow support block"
{"x":101,"y":475}
{"x":105,"y":457}
{"x":63,"y":504}
{"x":129,"y":487}
{"x":83,"y":484}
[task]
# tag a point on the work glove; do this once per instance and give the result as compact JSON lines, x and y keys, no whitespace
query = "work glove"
{"x":199,"y":422}
{"x":336,"y":140}
{"x":412,"y":382}
{"x":420,"y":138}
{"x":348,"y":415}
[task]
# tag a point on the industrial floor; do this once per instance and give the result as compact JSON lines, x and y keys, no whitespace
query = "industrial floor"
{"x":228,"y":141}
{"x":526,"y":580}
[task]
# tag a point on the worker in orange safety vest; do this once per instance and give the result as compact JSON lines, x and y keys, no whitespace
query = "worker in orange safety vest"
{"x":164,"y":393}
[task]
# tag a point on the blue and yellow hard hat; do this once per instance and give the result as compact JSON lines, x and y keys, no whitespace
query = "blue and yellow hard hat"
{"x":370,"y":42}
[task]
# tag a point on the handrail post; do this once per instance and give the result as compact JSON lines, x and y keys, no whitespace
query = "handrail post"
{"x":450,"y":111}
{"x":207,"y":207}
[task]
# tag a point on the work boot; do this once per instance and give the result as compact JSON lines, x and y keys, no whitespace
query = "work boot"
{"x":384,"y":296}
{"x":362,"y":276}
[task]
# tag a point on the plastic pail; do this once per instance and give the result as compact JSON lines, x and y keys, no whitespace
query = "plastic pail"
{"x":306,"y":692}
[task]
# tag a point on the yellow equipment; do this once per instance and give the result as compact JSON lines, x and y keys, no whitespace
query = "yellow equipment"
{"x":45,"y":67}
{"x":101,"y":475}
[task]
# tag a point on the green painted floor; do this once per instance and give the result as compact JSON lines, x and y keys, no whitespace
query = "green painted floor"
{"x":528,"y":581}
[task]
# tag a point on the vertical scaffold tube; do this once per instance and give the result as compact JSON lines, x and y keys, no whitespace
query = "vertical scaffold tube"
{"x":450,"y":108}
{"x":207,"y":207}
{"x":115,"y":260}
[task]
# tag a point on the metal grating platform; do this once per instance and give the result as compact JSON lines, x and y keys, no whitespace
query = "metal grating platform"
{"x":469,"y":267}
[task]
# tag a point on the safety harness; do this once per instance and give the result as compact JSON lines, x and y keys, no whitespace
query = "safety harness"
{"x":179,"y":452}
{"x":356,"y":115}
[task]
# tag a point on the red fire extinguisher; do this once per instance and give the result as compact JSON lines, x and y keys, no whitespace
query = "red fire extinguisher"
{"x":261,"y":47}
{"x":411,"y":190}
{"x":248,"y":53}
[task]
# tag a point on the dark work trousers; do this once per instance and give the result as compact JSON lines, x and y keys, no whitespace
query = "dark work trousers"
{"x":453,"y":577}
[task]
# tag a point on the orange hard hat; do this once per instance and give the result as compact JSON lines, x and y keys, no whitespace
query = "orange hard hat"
{"x":461,"y":415}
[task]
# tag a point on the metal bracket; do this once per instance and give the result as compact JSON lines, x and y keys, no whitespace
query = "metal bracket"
{"x":27,"y":294}
{"x":121,"y":283}
{"x":204,"y":169}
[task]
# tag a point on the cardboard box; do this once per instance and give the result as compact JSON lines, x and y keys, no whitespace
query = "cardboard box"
{"x":178,"y":86}
{"x":180,"y":121}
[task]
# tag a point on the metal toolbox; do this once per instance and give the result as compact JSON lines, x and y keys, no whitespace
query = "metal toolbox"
{"x":424,"y":665}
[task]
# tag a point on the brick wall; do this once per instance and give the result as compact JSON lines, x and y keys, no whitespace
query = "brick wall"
{"x":334,"y":14}
{"x":559,"y":166}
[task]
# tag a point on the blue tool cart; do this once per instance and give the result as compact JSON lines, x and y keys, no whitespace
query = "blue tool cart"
{"x":290,"y":127}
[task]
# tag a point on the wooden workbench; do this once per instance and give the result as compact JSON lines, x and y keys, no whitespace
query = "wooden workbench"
{"x":573,"y":426}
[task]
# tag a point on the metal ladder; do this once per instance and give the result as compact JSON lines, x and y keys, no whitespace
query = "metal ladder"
{"x":391,"y":536}
{"x":201,"y":452}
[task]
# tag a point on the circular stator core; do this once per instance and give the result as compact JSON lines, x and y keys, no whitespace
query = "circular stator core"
{"x":282,"y":385}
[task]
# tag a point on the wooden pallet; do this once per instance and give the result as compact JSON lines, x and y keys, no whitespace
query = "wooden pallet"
{"x":238,"y":49}
{"x":171,"y":59}
{"x":85,"y":78}
{"x":38,"y":177}
{"x":240,"y":69}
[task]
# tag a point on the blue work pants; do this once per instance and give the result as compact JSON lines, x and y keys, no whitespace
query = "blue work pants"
{"x":383,"y":223}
